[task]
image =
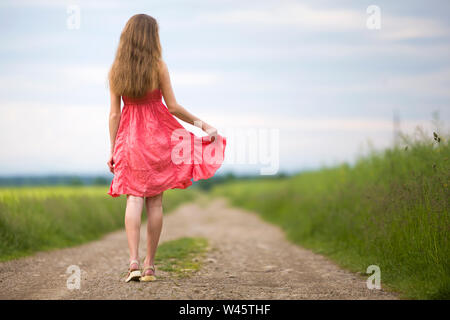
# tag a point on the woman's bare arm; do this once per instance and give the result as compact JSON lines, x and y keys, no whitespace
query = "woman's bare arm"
{"x":114,"y":118}
{"x":174,"y":107}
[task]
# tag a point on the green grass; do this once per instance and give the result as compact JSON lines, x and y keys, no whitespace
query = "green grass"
{"x":181,"y":256}
{"x":42,"y":218}
{"x":390,"y":209}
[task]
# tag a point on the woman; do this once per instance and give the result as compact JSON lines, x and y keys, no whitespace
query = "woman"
{"x":150,"y":150}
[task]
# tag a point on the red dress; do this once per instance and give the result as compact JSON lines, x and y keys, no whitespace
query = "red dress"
{"x":153,"y":152}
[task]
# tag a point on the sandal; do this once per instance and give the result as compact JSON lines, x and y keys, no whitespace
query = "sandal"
{"x":148,"y":274}
{"x":134,"y":274}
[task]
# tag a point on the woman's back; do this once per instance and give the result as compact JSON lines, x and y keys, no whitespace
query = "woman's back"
{"x":151,"y":96}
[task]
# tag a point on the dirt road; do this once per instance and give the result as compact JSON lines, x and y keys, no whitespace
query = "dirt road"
{"x":248,"y":259}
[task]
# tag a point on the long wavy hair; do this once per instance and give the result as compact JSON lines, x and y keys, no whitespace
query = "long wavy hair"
{"x":135,"y":68}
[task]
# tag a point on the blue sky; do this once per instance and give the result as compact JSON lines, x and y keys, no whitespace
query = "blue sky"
{"x":310,"y":69}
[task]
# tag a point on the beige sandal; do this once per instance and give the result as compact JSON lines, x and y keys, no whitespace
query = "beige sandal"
{"x":148,"y":274}
{"x":134,"y":274}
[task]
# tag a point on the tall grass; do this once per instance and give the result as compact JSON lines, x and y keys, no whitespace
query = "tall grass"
{"x":390,"y":209}
{"x":42,"y":218}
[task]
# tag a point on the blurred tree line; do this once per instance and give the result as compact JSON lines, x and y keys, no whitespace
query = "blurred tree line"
{"x":100,"y":180}
{"x":73,"y":180}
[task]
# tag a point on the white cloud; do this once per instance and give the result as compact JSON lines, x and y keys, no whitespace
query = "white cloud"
{"x":431,"y":83}
{"x":308,"y":18}
{"x":187,"y":79}
{"x":69,"y":137}
{"x":98,"y":4}
{"x":291,"y":14}
{"x":84,"y":74}
{"x":309,"y":124}
{"x":295,"y":51}
{"x":405,"y":28}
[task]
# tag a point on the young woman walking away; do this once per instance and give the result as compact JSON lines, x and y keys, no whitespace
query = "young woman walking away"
{"x":150,"y":150}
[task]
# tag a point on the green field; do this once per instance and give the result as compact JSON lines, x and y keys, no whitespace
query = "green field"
{"x":42,"y":218}
{"x":390,"y":209}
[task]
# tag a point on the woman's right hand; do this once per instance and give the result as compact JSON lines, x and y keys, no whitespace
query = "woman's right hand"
{"x":110,"y":163}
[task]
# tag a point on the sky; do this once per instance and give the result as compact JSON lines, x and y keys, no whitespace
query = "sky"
{"x":293,"y":85}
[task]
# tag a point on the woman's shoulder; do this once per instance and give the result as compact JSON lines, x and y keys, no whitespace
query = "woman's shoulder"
{"x":162,"y":66}
{"x":163,"y":72}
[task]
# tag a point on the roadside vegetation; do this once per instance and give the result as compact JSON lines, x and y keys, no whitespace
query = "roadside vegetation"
{"x":43,"y":218}
{"x":390,"y":209}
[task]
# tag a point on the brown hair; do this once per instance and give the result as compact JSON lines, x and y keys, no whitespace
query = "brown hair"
{"x":135,"y":67}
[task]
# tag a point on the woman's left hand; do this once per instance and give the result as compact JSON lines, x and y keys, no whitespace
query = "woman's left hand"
{"x":212,"y":132}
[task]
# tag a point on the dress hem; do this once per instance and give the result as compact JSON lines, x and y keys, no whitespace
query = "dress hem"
{"x":176,"y":186}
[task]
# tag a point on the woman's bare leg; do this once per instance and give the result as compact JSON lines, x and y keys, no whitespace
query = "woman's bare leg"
{"x":154,"y":225}
{"x":133,"y":215}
